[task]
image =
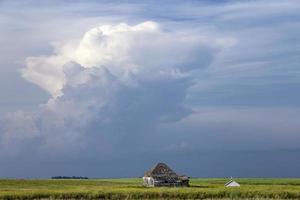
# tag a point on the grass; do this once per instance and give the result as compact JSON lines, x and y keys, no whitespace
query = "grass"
{"x":132,"y":189}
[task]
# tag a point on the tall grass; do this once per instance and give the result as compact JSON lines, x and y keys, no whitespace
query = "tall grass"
{"x":132,"y":189}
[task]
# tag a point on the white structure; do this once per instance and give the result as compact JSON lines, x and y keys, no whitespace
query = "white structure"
{"x":232,"y":183}
{"x":148,"y":181}
{"x":162,"y":175}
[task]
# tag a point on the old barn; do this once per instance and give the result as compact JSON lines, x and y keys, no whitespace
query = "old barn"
{"x":162,"y":175}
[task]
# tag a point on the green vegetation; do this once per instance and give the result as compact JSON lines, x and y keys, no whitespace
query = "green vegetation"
{"x":132,"y":189}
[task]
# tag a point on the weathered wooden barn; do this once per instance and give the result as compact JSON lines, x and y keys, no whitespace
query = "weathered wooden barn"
{"x":162,"y":175}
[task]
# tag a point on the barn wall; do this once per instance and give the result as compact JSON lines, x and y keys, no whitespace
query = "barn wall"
{"x":152,"y":182}
{"x":148,"y":181}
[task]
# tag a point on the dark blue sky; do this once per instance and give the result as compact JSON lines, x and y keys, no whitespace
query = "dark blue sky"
{"x":109,"y":88}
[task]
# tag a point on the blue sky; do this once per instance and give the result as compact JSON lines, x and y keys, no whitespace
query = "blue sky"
{"x":209,"y":87}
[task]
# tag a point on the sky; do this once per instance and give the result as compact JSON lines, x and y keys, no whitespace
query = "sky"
{"x":106,"y":89}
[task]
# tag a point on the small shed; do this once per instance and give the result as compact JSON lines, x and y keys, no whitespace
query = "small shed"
{"x":162,"y":175}
{"x":232,"y":183}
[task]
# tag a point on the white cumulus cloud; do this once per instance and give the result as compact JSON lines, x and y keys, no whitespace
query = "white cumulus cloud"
{"x":141,"y":49}
{"x":113,"y":87}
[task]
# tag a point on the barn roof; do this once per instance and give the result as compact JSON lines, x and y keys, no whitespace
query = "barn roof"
{"x":160,"y":170}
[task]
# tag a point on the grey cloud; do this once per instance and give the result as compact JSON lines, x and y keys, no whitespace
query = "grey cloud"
{"x":240,"y":128}
{"x":102,"y":116}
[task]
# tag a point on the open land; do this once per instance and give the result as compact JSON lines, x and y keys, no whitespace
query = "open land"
{"x":131,"y":188}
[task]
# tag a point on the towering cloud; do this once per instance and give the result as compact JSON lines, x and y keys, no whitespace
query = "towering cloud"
{"x":111,"y":89}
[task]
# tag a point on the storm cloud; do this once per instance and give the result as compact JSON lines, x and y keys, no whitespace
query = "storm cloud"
{"x":111,"y":91}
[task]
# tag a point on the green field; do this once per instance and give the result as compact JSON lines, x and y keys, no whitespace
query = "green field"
{"x":132,"y":189}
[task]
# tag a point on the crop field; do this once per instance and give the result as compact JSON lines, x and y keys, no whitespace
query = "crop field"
{"x":132,"y":189}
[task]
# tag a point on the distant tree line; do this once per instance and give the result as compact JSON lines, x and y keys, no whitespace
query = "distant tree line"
{"x":69,"y":177}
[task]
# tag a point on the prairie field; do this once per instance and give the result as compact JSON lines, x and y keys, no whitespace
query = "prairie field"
{"x":132,"y":188}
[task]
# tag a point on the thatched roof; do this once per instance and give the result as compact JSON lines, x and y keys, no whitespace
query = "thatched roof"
{"x":161,"y":170}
